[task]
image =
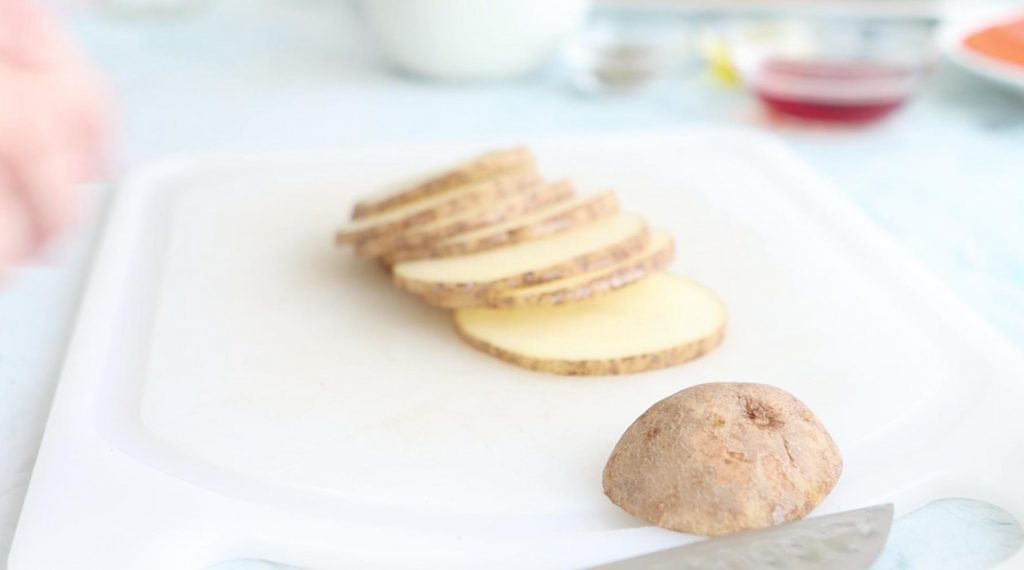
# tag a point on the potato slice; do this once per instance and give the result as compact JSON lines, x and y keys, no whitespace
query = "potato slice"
{"x":543,"y":222}
{"x":661,"y":321}
{"x":461,"y":281}
{"x":530,"y":200}
{"x":660,"y":252}
{"x":719,"y":458}
{"x":483,"y":168}
{"x":427,"y":210}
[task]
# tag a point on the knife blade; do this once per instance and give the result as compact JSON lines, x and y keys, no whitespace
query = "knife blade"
{"x":850,"y":540}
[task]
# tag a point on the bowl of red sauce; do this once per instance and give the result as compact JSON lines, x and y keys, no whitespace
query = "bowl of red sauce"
{"x":989,"y":46}
{"x":836,"y":70}
{"x":1002,"y":42}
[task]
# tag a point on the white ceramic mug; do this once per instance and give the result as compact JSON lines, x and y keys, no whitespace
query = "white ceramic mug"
{"x":472,"y":39}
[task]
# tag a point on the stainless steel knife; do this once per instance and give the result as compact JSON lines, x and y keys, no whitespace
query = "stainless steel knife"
{"x":850,"y":540}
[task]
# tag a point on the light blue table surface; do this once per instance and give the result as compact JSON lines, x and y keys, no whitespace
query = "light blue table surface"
{"x":945,"y":177}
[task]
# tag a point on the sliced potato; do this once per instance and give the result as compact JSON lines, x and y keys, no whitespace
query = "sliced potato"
{"x":543,"y":222}
{"x":530,"y":200}
{"x":464,"y":280}
{"x":723,"y":457}
{"x":427,"y":210}
{"x":661,"y":321}
{"x":660,"y":252}
{"x":485,"y":167}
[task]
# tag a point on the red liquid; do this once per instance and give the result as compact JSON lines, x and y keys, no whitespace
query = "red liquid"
{"x":835,"y":91}
{"x":829,"y":111}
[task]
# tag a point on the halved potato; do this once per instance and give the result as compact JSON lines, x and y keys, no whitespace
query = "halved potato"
{"x":485,"y":167}
{"x":660,"y":252}
{"x":420,"y":212}
{"x":661,"y":321}
{"x":464,"y":280}
{"x":546,"y":221}
{"x":514,"y":206}
{"x":723,"y":457}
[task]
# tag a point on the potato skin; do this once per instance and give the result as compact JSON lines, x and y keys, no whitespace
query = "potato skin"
{"x":723,"y":457}
{"x":474,"y":294}
{"x":479,"y":194}
{"x":489,"y":165}
{"x":541,"y":196}
{"x":609,"y":367}
{"x":626,"y":275}
{"x":601,"y":206}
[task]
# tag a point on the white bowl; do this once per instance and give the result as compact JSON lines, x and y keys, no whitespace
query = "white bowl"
{"x":951,"y":42}
{"x":472,"y":39}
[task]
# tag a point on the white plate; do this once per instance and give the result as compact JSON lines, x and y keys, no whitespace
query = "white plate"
{"x":951,"y":42}
{"x":238,"y":388}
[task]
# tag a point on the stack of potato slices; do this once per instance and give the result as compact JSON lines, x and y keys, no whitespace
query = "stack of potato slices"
{"x":537,"y":275}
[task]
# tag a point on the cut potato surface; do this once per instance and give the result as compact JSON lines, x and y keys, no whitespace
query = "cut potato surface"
{"x":723,"y":457}
{"x":482,"y":168}
{"x":461,"y":281}
{"x":661,"y":321}
{"x":424,"y":211}
{"x":658,"y":254}
{"x":545,"y":221}
{"x":517,"y":205}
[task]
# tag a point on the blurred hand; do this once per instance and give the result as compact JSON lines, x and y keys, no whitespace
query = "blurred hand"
{"x":52,"y":130}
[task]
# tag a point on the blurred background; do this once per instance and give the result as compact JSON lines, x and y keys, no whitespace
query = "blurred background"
{"x":913,"y":109}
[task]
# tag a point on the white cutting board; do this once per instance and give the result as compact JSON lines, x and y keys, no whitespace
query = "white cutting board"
{"x":236,"y":387}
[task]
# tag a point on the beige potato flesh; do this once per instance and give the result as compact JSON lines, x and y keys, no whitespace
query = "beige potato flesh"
{"x":517,"y":205}
{"x":661,"y":321}
{"x":658,"y":254}
{"x":546,"y":221}
{"x":487,"y":166}
{"x":526,"y":258}
{"x":424,"y":211}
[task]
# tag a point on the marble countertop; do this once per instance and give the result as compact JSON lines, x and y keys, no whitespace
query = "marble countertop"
{"x":943,"y":176}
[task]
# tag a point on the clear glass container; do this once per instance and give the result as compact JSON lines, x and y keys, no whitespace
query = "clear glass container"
{"x":621,"y":52}
{"x":835,"y":69}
